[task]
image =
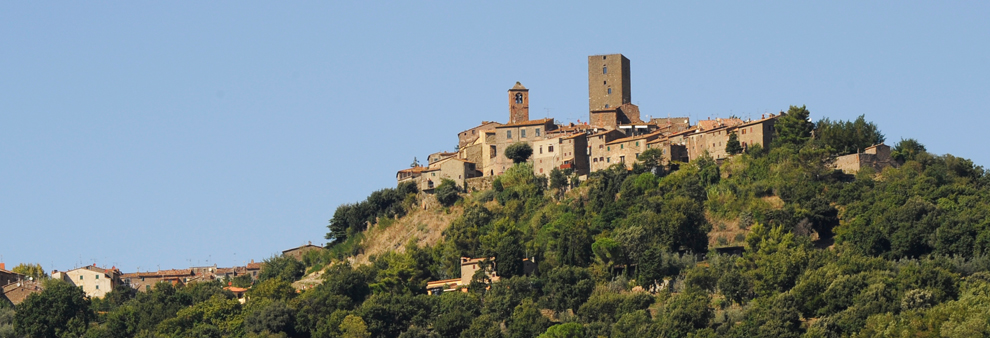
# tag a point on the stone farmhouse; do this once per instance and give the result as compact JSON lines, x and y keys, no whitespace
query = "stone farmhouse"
{"x":876,"y":157}
{"x":615,"y":133}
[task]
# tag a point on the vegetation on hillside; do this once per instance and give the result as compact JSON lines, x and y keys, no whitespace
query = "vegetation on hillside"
{"x":627,"y":253}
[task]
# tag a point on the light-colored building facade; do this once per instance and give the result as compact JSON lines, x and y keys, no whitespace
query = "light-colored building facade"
{"x":509,"y":134}
{"x":561,"y":152}
{"x":94,"y":281}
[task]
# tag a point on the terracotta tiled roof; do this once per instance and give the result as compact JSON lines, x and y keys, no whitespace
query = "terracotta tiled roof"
{"x":235,"y":289}
{"x":714,"y":124}
{"x":527,"y":123}
{"x":413,"y":169}
{"x":633,"y":138}
{"x":255,"y":266}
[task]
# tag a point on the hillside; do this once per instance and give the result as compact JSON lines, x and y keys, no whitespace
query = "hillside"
{"x":770,"y":242}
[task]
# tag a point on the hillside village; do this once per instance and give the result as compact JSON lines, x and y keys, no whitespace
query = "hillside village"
{"x":96,"y":281}
{"x":614,"y":133}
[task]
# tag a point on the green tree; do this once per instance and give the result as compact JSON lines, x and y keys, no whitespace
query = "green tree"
{"x":273,"y":317}
{"x":907,"y":150}
{"x":652,"y":159}
{"x":60,"y":310}
{"x":447,"y":192}
{"x":519,"y":152}
{"x":282,"y":268}
{"x":354,"y":327}
{"x":794,"y":126}
{"x":455,"y":311}
{"x":567,"y":330}
{"x":31,"y":270}
{"x":732,"y":146}
{"x":272,"y":289}
{"x":558,"y":181}
{"x":567,"y":287}
{"x":847,"y":137}
{"x":509,"y":257}
{"x":527,"y":321}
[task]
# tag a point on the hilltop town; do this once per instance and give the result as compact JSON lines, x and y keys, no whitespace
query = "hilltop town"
{"x":615,"y":133}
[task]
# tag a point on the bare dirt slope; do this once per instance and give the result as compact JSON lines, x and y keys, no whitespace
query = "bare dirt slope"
{"x":426,"y":224}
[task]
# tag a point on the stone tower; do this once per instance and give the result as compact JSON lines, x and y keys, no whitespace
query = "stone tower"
{"x":518,"y":103}
{"x":608,"y":81}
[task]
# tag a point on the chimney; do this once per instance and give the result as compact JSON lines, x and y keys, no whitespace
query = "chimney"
{"x":310,"y":242}
{"x":3,"y":267}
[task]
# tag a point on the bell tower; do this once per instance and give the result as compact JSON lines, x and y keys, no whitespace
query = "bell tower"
{"x":518,"y":104}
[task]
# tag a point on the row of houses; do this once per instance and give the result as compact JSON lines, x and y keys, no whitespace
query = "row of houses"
{"x":615,"y":133}
{"x":96,"y":281}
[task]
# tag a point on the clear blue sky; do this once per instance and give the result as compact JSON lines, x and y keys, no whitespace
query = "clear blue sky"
{"x":177,"y":134}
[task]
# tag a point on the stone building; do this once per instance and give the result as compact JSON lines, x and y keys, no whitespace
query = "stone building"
{"x":561,"y":152}
{"x":597,"y":151}
{"x":608,"y":82}
{"x":17,"y":292}
{"x":94,"y":281}
{"x":297,"y":253}
{"x":626,"y":150}
{"x":452,"y":168}
{"x":756,"y":132}
{"x":518,"y":104}
{"x":876,"y":157}
{"x":7,"y":277}
{"x":506,"y":135}
{"x":145,"y":281}
{"x":671,"y":152}
{"x":468,"y":137}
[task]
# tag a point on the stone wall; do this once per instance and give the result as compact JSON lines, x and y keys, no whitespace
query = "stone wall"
{"x":480,"y":183}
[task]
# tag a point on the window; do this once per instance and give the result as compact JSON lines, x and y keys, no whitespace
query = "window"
{"x":519,"y":98}
{"x":600,"y":146}
{"x":622,"y":146}
{"x":522,"y":133}
{"x":537,"y":132}
{"x":609,"y":91}
{"x":80,"y":277}
{"x":609,"y":148}
{"x":142,"y":279}
{"x":637,"y":143}
{"x":97,"y":276}
{"x":604,"y":69}
{"x":606,"y":105}
{"x":594,"y":160}
{"x":508,"y":134}
{"x":744,"y":131}
{"x":97,"y":286}
{"x":541,"y":149}
{"x":608,"y":159}
{"x":492,"y":153}
{"x":622,"y":159}
{"x":550,"y":149}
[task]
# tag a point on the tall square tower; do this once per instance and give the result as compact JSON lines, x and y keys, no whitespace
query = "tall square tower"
{"x":608,"y":81}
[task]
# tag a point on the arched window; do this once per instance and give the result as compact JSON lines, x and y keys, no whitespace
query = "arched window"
{"x":604,"y":69}
{"x":519,"y":98}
